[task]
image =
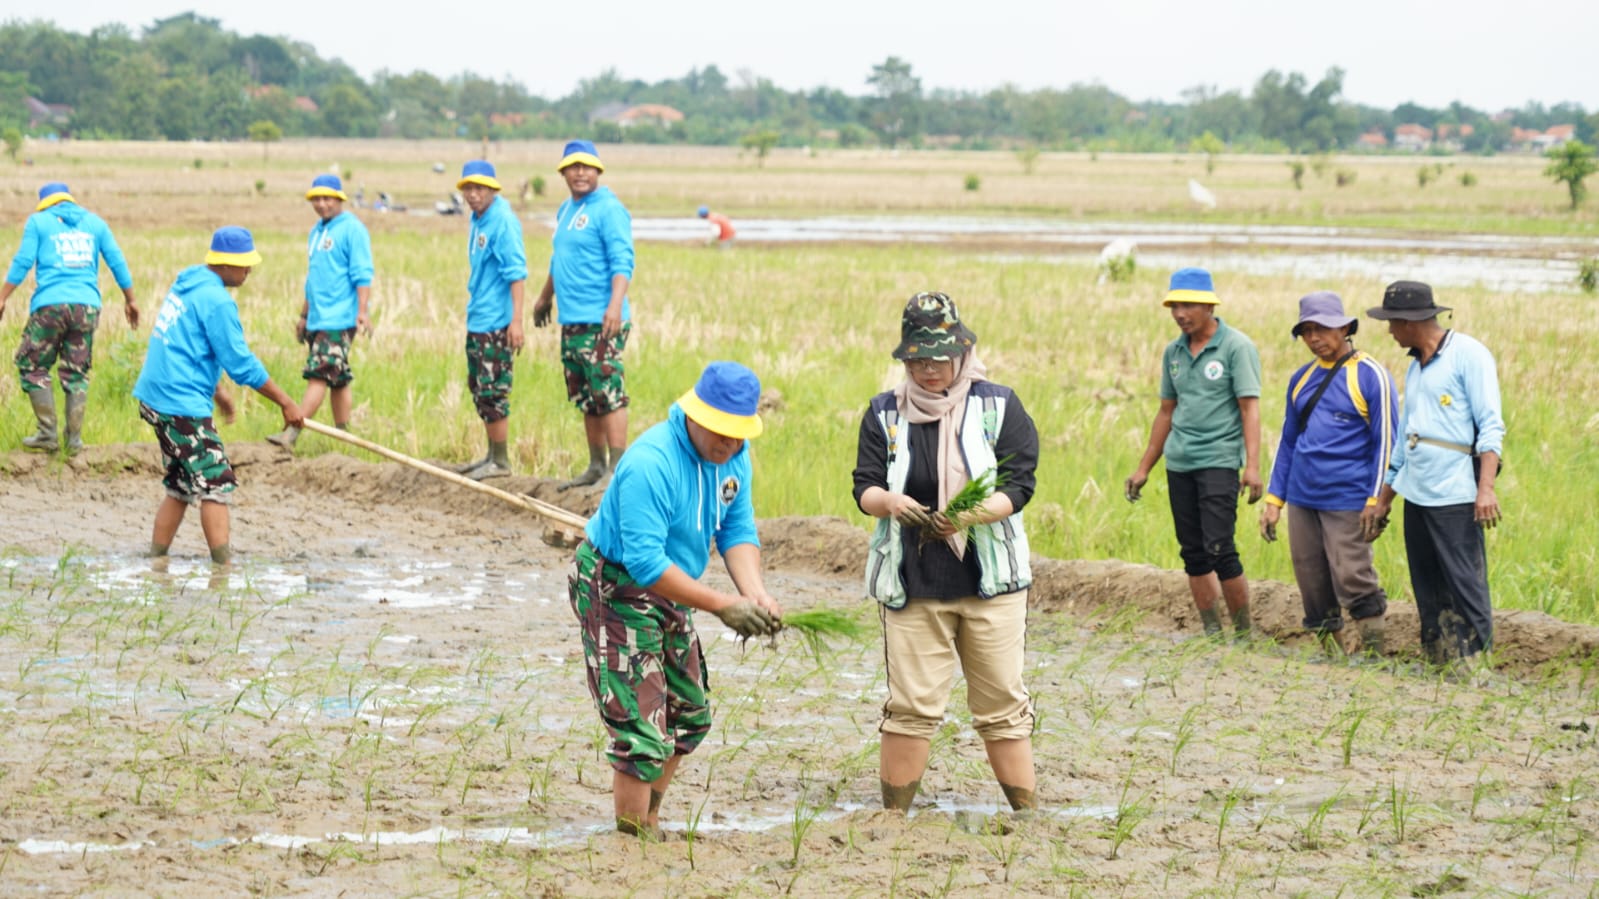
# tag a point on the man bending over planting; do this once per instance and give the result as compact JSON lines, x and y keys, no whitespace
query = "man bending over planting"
{"x":196,"y":337}
{"x":685,"y":483}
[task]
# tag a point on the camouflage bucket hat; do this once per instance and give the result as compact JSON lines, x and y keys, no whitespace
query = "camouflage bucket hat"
{"x":931,"y":329}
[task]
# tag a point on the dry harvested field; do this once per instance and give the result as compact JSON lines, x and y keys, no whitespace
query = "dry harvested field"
{"x":385,"y":697}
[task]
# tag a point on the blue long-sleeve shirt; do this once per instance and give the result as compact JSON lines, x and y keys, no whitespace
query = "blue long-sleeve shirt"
{"x":340,"y":254}
{"x":677,"y":504}
{"x":64,"y":245}
{"x":1453,"y":398}
{"x":593,"y":243}
{"x":498,"y":259}
{"x":196,"y":337}
{"x":1336,"y":460}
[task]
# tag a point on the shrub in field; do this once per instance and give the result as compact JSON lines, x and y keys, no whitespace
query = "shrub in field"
{"x":1467,"y":179}
{"x":1296,"y":170}
{"x":13,"y":140}
{"x":1424,"y":176}
{"x":260,"y":186}
{"x":538,"y":185}
{"x":1588,"y":275}
{"x":1571,"y":164}
{"x":1028,"y":156}
{"x":973,"y":182}
{"x":1344,"y":177}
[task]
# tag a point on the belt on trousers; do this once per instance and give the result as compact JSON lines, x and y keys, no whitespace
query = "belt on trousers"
{"x":1413,"y":439}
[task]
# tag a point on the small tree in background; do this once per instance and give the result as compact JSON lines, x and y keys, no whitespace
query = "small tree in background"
{"x":1570,"y":164}
{"x":1210,"y":145}
{"x":1028,"y":157}
{"x":13,"y":140}
{"x":761,"y":142}
{"x":264,"y":132}
{"x":1296,"y":168}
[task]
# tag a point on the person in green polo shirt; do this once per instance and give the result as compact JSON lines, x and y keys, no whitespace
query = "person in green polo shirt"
{"x":1207,"y":427}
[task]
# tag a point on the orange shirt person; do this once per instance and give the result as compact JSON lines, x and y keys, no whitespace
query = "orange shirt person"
{"x":723,"y":225}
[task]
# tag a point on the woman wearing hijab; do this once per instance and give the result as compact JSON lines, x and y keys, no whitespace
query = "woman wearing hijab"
{"x":951,"y":588}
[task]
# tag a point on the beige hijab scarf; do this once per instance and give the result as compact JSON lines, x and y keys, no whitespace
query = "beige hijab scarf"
{"x":948,"y":408}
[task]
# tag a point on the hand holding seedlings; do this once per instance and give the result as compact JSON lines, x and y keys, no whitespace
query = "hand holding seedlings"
{"x":749,"y":619}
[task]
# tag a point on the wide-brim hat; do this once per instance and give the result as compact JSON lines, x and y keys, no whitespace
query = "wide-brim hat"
{"x":1325,"y":308}
{"x":1191,"y":285}
{"x":931,"y":328}
{"x":725,"y":401}
{"x":478,"y":171}
{"x":232,"y":245}
{"x":580,"y":151}
{"x":1409,"y":301}
{"x":52,"y":193}
{"x":326,"y":186}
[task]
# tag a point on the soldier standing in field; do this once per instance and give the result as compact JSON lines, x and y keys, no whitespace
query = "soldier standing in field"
{"x":63,"y":244}
{"x":338,"y":294}
{"x":591,"y":266}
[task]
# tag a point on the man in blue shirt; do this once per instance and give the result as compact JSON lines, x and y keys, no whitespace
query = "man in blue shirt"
{"x":63,"y":243}
{"x":684,"y":486}
{"x":338,"y":292}
{"x":1338,"y":432}
{"x":196,"y":337}
{"x":1451,"y":417}
{"x":498,"y":261}
{"x":591,"y":266}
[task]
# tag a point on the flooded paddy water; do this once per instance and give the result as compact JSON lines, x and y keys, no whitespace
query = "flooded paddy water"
{"x":384,"y":696}
{"x":1497,"y":262}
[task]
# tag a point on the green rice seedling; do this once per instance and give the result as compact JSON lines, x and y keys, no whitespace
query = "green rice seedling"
{"x":818,"y":626}
{"x":1311,"y":832}
{"x":1131,"y":811}
{"x":1184,"y":736}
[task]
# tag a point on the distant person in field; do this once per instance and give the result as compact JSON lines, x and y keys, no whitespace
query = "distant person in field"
{"x":1337,"y":435}
{"x":591,"y":266}
{"x":682,"y":488}
{"x":63,"y":243}
{"x":338,"y":304}
{"x":196,"y":337}
{"x":953,"y":589}
{"x":1207,"y":427}
{"x":723,"y":232}
{"x":498,"y":261}
{"x":1451,"y":432}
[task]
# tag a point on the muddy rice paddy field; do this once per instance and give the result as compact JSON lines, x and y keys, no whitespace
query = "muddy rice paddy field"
{"x":384,"y":696}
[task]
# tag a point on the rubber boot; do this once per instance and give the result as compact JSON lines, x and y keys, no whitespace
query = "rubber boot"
{"x":1211,"y":620}
{"x":44,"y":409}
{"x":597,"y":469}
{"x":285,"y":438}
{"x":1243,"y":626}
{"x":1373,"y":635}
{"x":77,"y":404}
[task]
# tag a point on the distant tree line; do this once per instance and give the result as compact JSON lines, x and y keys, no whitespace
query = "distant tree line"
{"x":186,"y":77}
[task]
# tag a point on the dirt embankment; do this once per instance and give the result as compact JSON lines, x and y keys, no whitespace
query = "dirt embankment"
{"x":821,"y":545}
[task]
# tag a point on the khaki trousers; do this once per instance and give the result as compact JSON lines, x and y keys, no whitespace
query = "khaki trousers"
{"x":922,"y":644}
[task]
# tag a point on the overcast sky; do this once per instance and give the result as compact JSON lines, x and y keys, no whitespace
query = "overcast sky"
{"x":1491,"y":55}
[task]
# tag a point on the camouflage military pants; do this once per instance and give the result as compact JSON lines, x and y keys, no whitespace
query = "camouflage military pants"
{"x":328,"y":359}
{"x":646,"y":669}
{"x":197,"y":468}
{"x":61,"y":335}
{"x":488,"y":373}
{"x":594,"y":368}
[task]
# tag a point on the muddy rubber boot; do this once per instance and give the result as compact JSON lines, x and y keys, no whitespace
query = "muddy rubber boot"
{"x":1373,"y":636}
{"x":597,"y":469}
{"x":1211,"y":620}
{"x":1243,"y":625}
{"x":1437,"y":655}
{"x":44,"y":409}
{"x":285,"y":438}
{"x":497,"y":465}
{"x":77,"y":404}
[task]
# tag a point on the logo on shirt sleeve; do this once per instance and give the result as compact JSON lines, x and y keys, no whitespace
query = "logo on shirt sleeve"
{"x":1446,"y":400}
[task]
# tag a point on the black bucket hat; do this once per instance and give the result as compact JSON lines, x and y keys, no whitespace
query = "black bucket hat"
{"x":1410,"y":301}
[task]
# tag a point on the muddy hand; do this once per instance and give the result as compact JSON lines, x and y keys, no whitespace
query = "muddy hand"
{"x":914,"y":517}
{"x":1134,"y":488}
{"x":1268,"y":523}
{"x":747,"y":619}
{"x":1372,"y":524}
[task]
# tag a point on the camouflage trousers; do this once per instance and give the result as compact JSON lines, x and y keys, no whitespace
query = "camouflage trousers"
{"x":61,"y":335}
{"x":328,"y":359}
{"x":488,"y":373}
{"x":594,"y":368}
{"x":197,"y":468}
{"x":646,"y":669}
